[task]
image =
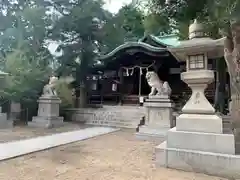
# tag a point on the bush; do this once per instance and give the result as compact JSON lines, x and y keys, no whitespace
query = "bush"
{"x":64,"y":93}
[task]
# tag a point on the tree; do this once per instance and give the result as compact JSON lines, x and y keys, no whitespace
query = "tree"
{"x":126,"y":25}
{"x":78,"y":31}
{"x":26,"y":77}
{"x":156,"y":24}
{"x":26,"y":24}
{"x":23,"y":52}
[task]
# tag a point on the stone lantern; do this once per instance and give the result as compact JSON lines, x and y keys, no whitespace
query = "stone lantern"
{"x":197,"y":142}
{"x":196,"y":51}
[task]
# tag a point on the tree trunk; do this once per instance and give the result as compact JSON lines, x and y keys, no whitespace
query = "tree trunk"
{"x":83,"y":97}
{"x":232,"y":57}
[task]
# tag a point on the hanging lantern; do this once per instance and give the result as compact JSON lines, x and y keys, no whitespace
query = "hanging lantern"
{"x":141,"y":71}
{"x":94,"y":86}
{"x":127,"y":71}
{"x":114,"y":87}
{"x":132,"y":72}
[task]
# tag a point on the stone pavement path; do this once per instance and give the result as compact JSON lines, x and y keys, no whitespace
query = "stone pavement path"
{"x":116,"y":156}
{"x":23,"y":147}
{"x":25,"y":132}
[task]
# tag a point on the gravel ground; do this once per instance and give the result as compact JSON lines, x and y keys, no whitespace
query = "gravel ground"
{"x":25,"y":132}
{"x":116,"y":156}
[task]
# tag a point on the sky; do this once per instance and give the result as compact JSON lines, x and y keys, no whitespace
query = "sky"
{"x":114,"y":5}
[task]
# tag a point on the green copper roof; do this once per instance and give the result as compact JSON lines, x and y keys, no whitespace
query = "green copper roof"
{"x":169,"y":40}
{"x":162,"y":42}
{"x":165,"y":41}
{"x":125,"y":46}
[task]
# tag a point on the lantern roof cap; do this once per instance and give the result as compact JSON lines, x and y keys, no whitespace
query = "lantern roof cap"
{"x":196,"y":30}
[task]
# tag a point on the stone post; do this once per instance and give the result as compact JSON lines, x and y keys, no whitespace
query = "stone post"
{"x":15,"y":112}
{"x":4,"y":122}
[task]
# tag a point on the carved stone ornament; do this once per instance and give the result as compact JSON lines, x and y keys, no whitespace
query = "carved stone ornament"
{"x":49,"y":89}
{"x":157,"y":86}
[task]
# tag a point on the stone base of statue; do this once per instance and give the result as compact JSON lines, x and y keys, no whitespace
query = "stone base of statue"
{"x":159,"y":116}
{"x":4,"y":122}
{"x":48,"y":113}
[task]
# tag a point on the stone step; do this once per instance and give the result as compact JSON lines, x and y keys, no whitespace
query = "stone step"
{"x":131,"y":124}
{"x":120,"y":125}
{"x":126,"y":116}
{"x":207,"y":142}
{"x":111,"y":121}
{"x":216,"y":164}
{"x":121,"y":120}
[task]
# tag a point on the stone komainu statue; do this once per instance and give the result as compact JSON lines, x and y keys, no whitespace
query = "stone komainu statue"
{"x":166,"y":89}
{"x":49,"y":89}
{"x":157,"y":86}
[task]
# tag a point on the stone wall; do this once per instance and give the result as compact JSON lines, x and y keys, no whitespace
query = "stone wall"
{"x":121,"y":116}
{"x":114,"y":116}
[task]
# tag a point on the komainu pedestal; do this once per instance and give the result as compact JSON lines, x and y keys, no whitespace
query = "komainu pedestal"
{"x":48,"y":113}
{"x":158,"y":118}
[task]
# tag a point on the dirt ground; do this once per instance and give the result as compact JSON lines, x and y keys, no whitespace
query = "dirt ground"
{"x":25,"y":132}
{"x":116,"y":156}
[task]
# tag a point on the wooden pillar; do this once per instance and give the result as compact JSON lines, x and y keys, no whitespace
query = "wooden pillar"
{"x":140,"y":84}
{"x":221,"y":79}
{"x":121,"y":78}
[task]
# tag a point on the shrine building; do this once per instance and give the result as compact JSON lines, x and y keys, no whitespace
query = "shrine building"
{"x":120,"y":79}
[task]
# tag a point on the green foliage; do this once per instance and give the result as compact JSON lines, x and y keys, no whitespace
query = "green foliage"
{"x":64,"y":91}
{"x":179,"y":14}
{"x":126,"y":25}
{"x":157,"y":24}
{"x":26,"y":78}
{"x":78,"y":31}
{"x":23,"y":31}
